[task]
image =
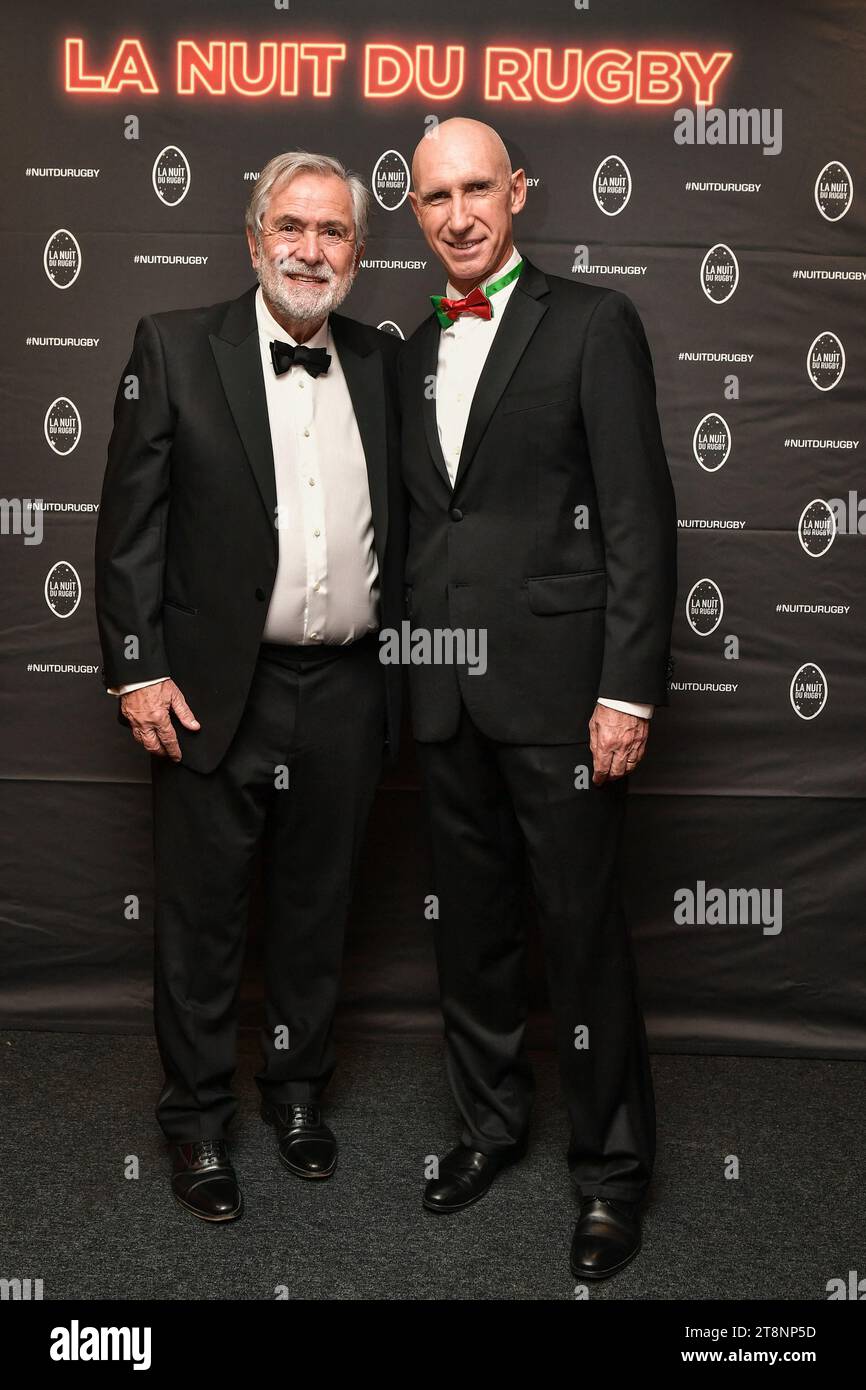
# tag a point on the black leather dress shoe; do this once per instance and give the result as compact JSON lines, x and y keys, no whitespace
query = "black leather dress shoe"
{"x":606,"y":1238}
{"x":307,"y":1146}
{"x":203,"y":1180}
{"x":465,"y":1175}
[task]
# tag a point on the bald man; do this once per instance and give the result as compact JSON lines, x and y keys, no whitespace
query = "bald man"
{"x":542,"y":529}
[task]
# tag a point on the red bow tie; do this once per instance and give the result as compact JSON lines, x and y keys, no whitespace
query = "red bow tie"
{"x":474,"y":303}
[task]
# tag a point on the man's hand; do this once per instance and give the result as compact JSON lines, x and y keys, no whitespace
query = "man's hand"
{"x":148,"y":709}
{"x":617,"y":742}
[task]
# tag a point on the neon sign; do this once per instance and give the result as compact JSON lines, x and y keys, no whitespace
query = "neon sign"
{"x":433,"y":72}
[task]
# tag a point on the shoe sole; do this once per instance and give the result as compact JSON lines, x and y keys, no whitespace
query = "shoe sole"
{"x":300,"y":1172}
{"x":615,"y":1269}
{"x":230,"y":1216}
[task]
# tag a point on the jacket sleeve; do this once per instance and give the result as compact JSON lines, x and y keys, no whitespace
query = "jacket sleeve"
{"x":133,"y":513}
{"x":637,"y":508}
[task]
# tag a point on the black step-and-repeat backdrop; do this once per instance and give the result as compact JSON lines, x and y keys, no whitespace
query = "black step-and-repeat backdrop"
{"x":705,"y":159}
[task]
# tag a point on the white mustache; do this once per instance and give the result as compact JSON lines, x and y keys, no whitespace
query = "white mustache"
{"x":292,"y":267}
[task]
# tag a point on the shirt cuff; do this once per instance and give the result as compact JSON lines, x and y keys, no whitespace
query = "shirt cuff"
{"x":137,"y":685}
{"x":642,"y":711}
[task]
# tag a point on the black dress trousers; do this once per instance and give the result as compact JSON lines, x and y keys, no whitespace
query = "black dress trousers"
{"x":492,"y":807}
{"x":299,"y":776}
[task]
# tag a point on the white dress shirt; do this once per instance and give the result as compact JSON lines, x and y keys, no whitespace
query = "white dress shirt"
{"x":463,"y":349}
{"x":327,"y":583}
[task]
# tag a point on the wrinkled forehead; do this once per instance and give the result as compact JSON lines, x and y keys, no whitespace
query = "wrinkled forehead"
{"x":314,"y":197}
{"x":451,"y":164}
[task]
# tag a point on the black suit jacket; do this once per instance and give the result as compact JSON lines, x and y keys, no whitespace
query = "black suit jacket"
{"x":186,"y":543}
{"x":563,"y":418}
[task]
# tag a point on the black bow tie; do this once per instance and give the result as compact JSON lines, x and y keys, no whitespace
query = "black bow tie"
{"x":314,"y":360}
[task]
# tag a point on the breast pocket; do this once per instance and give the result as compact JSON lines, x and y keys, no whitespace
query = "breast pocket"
{"x":179,"y":607}
{"x":554,"y":393}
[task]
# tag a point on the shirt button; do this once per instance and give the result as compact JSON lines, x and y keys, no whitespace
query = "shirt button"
{"x":317,"y":532}
{"x":306,"y":434}
{"x":316,"y":587}
{"x":314,"y":636}
{"x":312,"y":482}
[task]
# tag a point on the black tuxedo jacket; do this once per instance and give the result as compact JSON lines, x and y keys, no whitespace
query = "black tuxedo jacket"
{"x":186,"y":542}
{"x":563,"y":419}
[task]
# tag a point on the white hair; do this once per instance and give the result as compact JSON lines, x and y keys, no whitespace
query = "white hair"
{"x":284,"y":167}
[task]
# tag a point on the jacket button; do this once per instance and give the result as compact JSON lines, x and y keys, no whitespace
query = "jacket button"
{"x":456,"y":514}
{"x":260,"y":595}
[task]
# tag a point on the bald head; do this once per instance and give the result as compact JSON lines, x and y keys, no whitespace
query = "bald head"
{"x":462,"y":140}
{"x":464,"y":195}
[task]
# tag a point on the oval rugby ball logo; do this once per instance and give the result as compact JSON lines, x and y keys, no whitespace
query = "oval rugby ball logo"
{"x":611,"y":185}
{"x":704,"y":607}
{"x":62,"y":589}
{"x":825,"y":362}
{"x":834,"y":191}
{"x":171,"y":176}
{"x":62,"y":259}
{"x":809,"y":691}
{"x":390,"y":180}
{"x":817,"y":527}
{"x":720,"y":273}
{"x":711,"y":442}
{"x":62,"y":425}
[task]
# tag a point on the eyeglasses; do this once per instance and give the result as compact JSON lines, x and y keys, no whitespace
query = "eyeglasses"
{"x":291,"y":233}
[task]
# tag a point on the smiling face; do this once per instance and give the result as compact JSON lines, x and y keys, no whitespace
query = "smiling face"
{"x":464,"y":198}
{"x":306,"y":256}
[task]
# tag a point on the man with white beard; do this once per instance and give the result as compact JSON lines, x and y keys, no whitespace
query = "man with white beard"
{"x":250,"y":545}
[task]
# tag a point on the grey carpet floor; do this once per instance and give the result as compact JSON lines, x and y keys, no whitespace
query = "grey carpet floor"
{"x":77,"y":1112}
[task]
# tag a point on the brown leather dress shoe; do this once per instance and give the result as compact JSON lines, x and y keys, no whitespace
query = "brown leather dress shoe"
{"x":204,"y":1182}
{"x":606,"y":1237}
{"x":307,"y":1146}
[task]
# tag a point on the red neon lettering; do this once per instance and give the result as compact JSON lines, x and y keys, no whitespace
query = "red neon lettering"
{"x":77,"y":80}
{"x":567,"y":85}
{"x":507,"y":73}
{"x":705,"y":75}
{"x":387,"y":70}
{"x":606,"y":76}
{"x":323,"y":56}
{"x":436,"y":88}
{"x":658,"y":82}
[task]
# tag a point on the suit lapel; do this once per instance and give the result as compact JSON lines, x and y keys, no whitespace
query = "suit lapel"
{"x":364,"y":375}
{"x":522,"y":315}
{"x":238,"y":358}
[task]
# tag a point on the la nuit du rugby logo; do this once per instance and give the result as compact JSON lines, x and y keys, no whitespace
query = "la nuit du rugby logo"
{"x":390,"y":180}
{"x":834,"y":191}
{"x":62,"y":589}
{"x":171,"y":176}
{"x":817,"y":527}
{"x":720,"y":273}
{"x":61,"y":259}
{"x":62,"y":425}
{"x":711,"y":442}
{"x":809,"y":691}
{"x":825,"y":362}
{"x":704,"y":607}
{"x":611,"y":185}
